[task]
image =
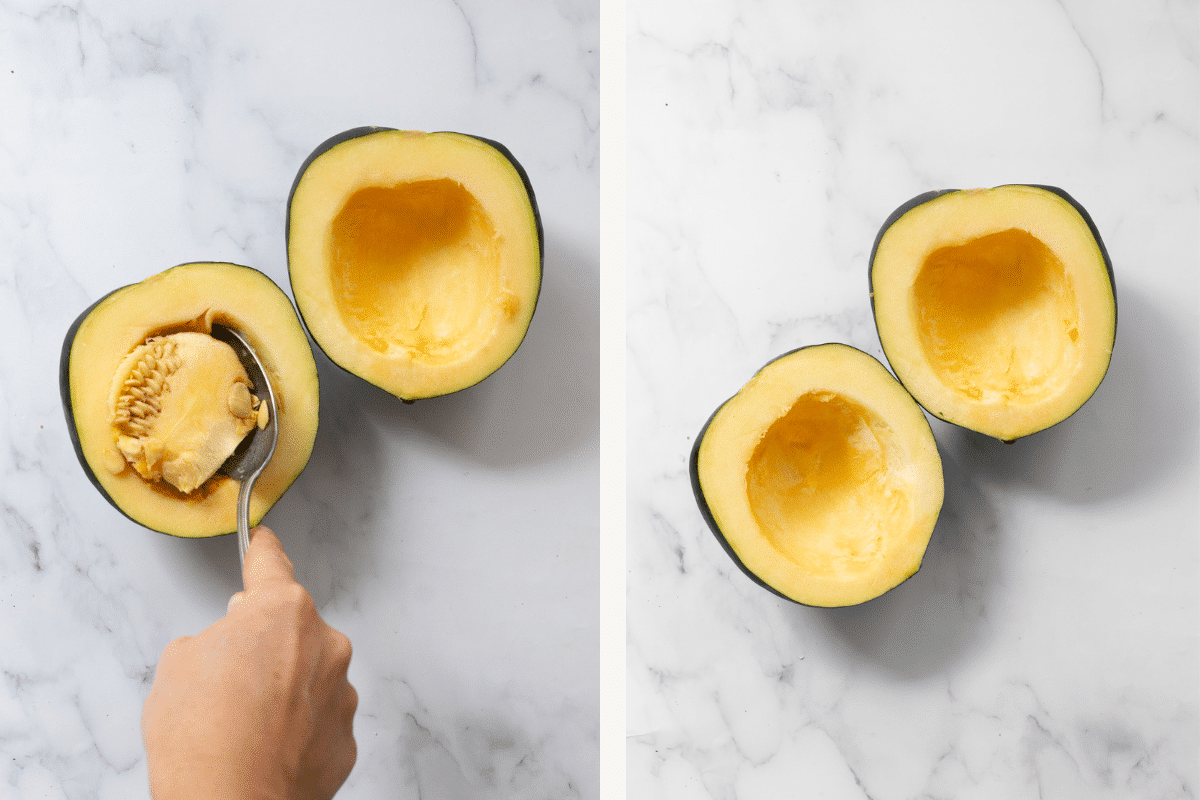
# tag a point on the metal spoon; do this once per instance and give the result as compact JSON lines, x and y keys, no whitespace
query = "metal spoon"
{"x":252,"y":455}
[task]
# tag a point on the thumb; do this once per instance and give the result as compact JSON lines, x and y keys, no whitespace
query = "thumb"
{"x":235,"y":600}
{"x":265,"y":561}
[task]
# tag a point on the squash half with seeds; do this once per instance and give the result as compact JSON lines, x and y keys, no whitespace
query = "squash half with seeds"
{"x":155,"y":404}
{"x":996,"y":308}
{"x":415,"y":258}
{"x":820,"y":477}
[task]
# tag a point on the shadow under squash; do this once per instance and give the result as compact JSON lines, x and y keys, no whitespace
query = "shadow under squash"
{"x":324,"y":519}
{"x":928,"y":621}
{"x":1142,"y":422}
{"x":545,"y":401}
{"x":317,"y":517}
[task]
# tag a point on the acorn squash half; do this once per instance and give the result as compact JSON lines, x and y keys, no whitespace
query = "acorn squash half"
{"x":996,"y":308}
{"x":154,"y":404}
{"x":415,"y":258}
{"x":820,"y":477}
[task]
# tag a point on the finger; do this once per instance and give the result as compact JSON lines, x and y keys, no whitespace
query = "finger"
{"x":173,"y":652}
{"x":174,"y":646}
{"x":237,"y":598}
{"x":265,"y":561}
{"x":350,"y":704}
{"x":338,"y":650}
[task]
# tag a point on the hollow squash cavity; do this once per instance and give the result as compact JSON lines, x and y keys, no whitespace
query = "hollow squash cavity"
{"x":998,"y":319}
{"x":820,"y":478}
{"x":415,"y":258}
{"x":416,"y":267}
{"x":824,"y":484}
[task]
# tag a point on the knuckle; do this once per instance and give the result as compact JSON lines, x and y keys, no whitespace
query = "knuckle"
{"x":342,"y":649}
{"x":175,"y":647}
{"x":296,"y":598}
{"x":295,"y":593}
{"x":305,"y":600}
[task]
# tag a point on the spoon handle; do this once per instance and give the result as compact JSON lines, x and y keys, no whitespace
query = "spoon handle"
{"x":244,"y":518}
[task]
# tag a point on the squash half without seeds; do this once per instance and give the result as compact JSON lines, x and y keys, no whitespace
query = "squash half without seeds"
{"x":415,"y":258}
{"x":996,"y":308}
{"x":820,"y":477}
{"x":154,"y":404}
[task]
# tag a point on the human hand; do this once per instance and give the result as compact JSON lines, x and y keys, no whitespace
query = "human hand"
{"x":257,"y":705}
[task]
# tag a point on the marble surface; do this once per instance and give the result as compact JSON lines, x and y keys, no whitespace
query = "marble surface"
{"x":456,"y":540}
{"x":1048,"y":646}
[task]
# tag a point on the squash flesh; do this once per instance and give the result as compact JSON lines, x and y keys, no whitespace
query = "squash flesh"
{"x":826,"y":461}
{"x":999,"y":319}
{"x":415,"y":268}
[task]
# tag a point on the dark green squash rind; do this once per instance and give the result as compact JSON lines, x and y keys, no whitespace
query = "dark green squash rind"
{"x":1112,"y":278}
{"x":64,"y":388}
{"x":925,"y":197}
{"x":903,"y":209}
{"x":321,"y":149}
{"x":537,"y":216}
{"x":537,"y":223}
{"x":706,"y":512}
{"x":367,"y":130}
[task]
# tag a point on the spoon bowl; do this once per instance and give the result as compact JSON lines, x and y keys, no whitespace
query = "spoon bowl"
{"x":252,"y":455}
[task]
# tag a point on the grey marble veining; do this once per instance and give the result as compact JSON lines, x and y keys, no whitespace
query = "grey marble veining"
{"x":455,"y":541}
{"x":1048,"y":647}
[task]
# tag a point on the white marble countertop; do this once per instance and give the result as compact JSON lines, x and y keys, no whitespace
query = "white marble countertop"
{"x":456,"y":540}
{"x":1048,"y":646}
